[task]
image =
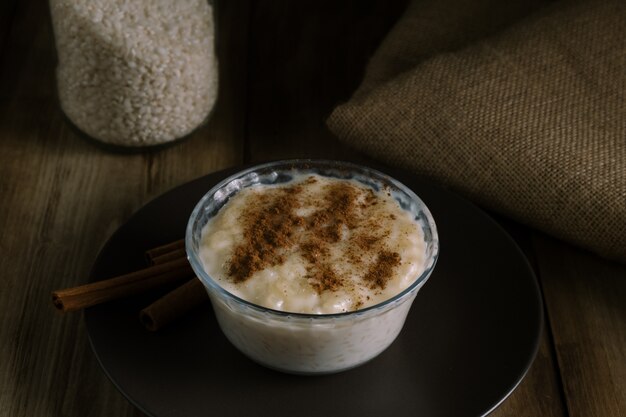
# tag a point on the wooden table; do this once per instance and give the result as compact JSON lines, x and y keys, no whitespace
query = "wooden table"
{"x":284,"y":65}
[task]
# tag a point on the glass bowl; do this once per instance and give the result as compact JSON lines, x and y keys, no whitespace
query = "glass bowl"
{"x":309,"y":343}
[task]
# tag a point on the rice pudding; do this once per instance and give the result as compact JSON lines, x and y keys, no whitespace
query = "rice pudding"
{"x":315,"y":245}
{"x":311,"y":266}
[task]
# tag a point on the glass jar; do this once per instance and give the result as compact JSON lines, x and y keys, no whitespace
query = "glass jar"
{"x":135,"y":73}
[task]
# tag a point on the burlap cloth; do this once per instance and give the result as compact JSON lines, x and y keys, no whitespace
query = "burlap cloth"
{"x":518,"y":105}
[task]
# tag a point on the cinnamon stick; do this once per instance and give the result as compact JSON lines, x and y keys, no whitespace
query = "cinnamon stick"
{"x":173,"y":305}
{"x":176,"y":303}
{"x":151,"y":254}
{"x":168,"y":256}
{"x":76,"y":298}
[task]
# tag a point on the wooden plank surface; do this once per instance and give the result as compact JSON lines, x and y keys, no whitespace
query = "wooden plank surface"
{"x":62,"y":197}
{"x":586,"y":306}
{"x":7,"y":10}
{"x":311,"y":56}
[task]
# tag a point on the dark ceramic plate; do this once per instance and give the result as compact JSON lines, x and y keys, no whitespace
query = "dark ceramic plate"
{"x":470,"y":337}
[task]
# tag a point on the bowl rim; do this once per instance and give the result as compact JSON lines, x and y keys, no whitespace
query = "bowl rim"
{"x":211,"y":284}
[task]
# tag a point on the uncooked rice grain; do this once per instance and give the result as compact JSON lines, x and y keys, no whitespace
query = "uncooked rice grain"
{"x":135,"y":72}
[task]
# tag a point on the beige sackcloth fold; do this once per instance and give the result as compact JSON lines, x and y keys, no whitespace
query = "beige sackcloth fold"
{"x":518,"y":105}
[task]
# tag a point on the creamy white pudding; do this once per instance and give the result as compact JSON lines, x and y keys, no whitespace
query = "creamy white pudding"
{"x":311,"y":266}
{"x":315,"y":245}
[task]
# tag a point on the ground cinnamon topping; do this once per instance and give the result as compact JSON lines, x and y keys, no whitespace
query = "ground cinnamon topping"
{"x":269,"y":229}
{"x":322,"y":278}
{"x":365,"y":241}
{"x":380,"y":272}
{"x":273,"y":226}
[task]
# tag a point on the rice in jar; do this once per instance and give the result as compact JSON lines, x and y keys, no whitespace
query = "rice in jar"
{"x":135,"y":73}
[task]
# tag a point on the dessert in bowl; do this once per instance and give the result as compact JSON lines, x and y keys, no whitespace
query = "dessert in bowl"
{"x":311,"y":266}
